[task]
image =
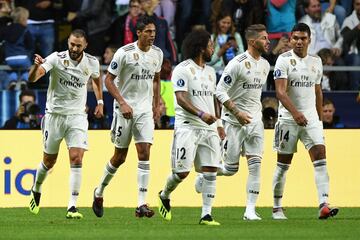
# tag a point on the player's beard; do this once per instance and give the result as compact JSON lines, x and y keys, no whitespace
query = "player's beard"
{"x":207,"y":57}
{"x":75,"y":55}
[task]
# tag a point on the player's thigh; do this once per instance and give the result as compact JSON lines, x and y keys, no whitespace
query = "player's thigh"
{"x":254,"y":141}
{"x":53,"y":130}
{"x":143,"y":128}
{"x":232,"y":144}
{"x":208,"y":151}
{"x":77,"y":131}
{"x":312,"y":134}
{"x":121,"y":131}
{"x":286,"y":137}
{"x":183,"y":150}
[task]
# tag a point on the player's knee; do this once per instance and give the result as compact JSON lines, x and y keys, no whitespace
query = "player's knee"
{"x":49,"y":160}
{"x":182,"y":175}
{"x":117,"y":160}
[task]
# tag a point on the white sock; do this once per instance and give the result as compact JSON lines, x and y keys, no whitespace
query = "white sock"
{"x":41,"y":174}
{"x":253,"y":183}
{"x":143,"y":181}
{"x":75,"y":182}
{"x":109,"y":173}
{"x":227,"y":170}
{"x":279,"y":183}
{"x":321,"y":180}
{"x":208,"y":194}
{"x":171,"y":183}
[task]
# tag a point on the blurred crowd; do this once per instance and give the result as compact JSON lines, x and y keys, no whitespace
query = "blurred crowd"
{"x":41,"y":26}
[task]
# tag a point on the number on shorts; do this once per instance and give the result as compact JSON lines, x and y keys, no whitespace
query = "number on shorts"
{"x":119,"y":131}
{"x":180,"y":151}
{"x":225,"y":144}
{"x":286,"y":136}
{"x":46,"y":135}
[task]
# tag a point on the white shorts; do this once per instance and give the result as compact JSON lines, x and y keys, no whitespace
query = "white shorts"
{"x":56,"y":127}
{"x":288,"y":134}
{"x":198,"y":146}
{"x":141,"y":126}
{"x":244,"y":140}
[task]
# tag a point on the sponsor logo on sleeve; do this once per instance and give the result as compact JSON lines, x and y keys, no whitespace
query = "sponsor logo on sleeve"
{"x":180,"y":83}
{"x":277,"y":73}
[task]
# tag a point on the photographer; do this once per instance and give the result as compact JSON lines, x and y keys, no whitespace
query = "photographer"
{"x":26,"y":116}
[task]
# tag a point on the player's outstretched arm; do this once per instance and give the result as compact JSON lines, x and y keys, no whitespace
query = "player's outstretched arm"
{"x":280,"y":88}
{"x":183,"y":100}
{"x":97,"y":87}
{"x":36,"y":71}
{"x":125,"y":109}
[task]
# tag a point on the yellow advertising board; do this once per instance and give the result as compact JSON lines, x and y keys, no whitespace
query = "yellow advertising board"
{"x":21,"y":152}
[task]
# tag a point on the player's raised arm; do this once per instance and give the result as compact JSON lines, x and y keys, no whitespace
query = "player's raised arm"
{"x":37,"y":71}
{"x":125,"y":109}
{"x":280,"y":88}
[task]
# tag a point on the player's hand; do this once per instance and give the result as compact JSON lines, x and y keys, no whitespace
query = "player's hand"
{"x":208,"y":118}
{"x":38,"y":60}
{"x":126,"y":110}
{"x":156,"y":113}
{"x":300,"y":119}
{"x":243,"y":118}
{"x":221,"y":133}
{"x":99,"y":111}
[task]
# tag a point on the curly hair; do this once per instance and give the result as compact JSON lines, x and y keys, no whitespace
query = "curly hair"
{"x":194,"y":42}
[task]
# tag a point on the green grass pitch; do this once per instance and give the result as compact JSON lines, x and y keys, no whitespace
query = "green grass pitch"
{"x":120,"y":223}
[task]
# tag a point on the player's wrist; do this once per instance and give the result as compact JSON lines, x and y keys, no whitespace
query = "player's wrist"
{"x":200,"y":114}
{"x":219,"y":123}
{"x":100,"y":102}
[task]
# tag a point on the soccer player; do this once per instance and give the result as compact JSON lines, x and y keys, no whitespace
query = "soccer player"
{"x":298,"y":87}
{"x":133,"y":79}
{"x":65,"y":116}
{"x":239,"y":90}
{"x":196,"y":139}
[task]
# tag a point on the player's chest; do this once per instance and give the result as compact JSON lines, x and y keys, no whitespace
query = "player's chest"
{"x":301,"y":71}
{"x":137,"y":61}
{"x":200,"y":79}
{"x":79,"y":73}
{"x":252,"y":73}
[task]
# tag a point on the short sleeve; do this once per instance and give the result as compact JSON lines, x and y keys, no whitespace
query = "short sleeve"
{"x":281,"y":68}
{"x":96,"y":70}
{"x":319,"y":73}
{"x":227,"y":79}
{"x":114,"y":67}
{"x":50,"y":61}
{"x":179,"y":79}
{"x":161,"y":56}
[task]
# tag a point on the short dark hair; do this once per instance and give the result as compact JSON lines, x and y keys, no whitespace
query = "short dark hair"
{"x":253,"y":31}
{"x":301,"y":27}
{"x":194,"y":42}
{"x":79,"y":33}
{"x":327,"y":101}
{"x":325,"y":53}
{"x":143,"y":21}
{"x":28,"y":92}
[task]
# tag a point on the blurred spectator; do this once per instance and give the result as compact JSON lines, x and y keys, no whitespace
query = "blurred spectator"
{"x":332,"y":80}
{"x":164,"y":121}
{"x":96,"y":16}
{"x":27,"y":116}
{"x":351,"y":46}
{"x":330,"y":6}
{"x":167,"y":9}
{"x":325,"y":30}
{"x":5,"y":19}
{"x":163,"y":38}
{"x":227,"y":43}
{"x":280,"y":18}
{"x":281,"y":47}
{"x":330,"y":120}
{"x":269,"y":111}
{"x":123,"y":29}
{"x":167,"y":93}
{"x":18,"y":47}
{"x":184,"y":22}
{"x":95,"y":122}
{"x":41,"y":23}
{"x":244,"y":13}
{"x":107,"y":57}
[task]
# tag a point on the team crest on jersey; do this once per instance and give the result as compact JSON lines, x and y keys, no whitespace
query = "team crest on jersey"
{"x":293,"y":62}
{"x":66,"y":63}
{"x":113,"y":65}
{"x":313,"y":69}
{"x":154,"y":63}
{"x":180,"y":83}
{"x":86,"y":71}
{"x":264,"y":72}
{"x":227,"y":80}
{"x":247,"y":65}
{"x":192,"y":70}
{"x":136,"y":56}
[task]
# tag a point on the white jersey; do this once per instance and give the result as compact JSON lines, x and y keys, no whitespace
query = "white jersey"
{"x":135,"y":71}
{"x":200,"y":85}
{"x":302,"y":75}
{"x":242,"y":82}
{"x":67,"y":90}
